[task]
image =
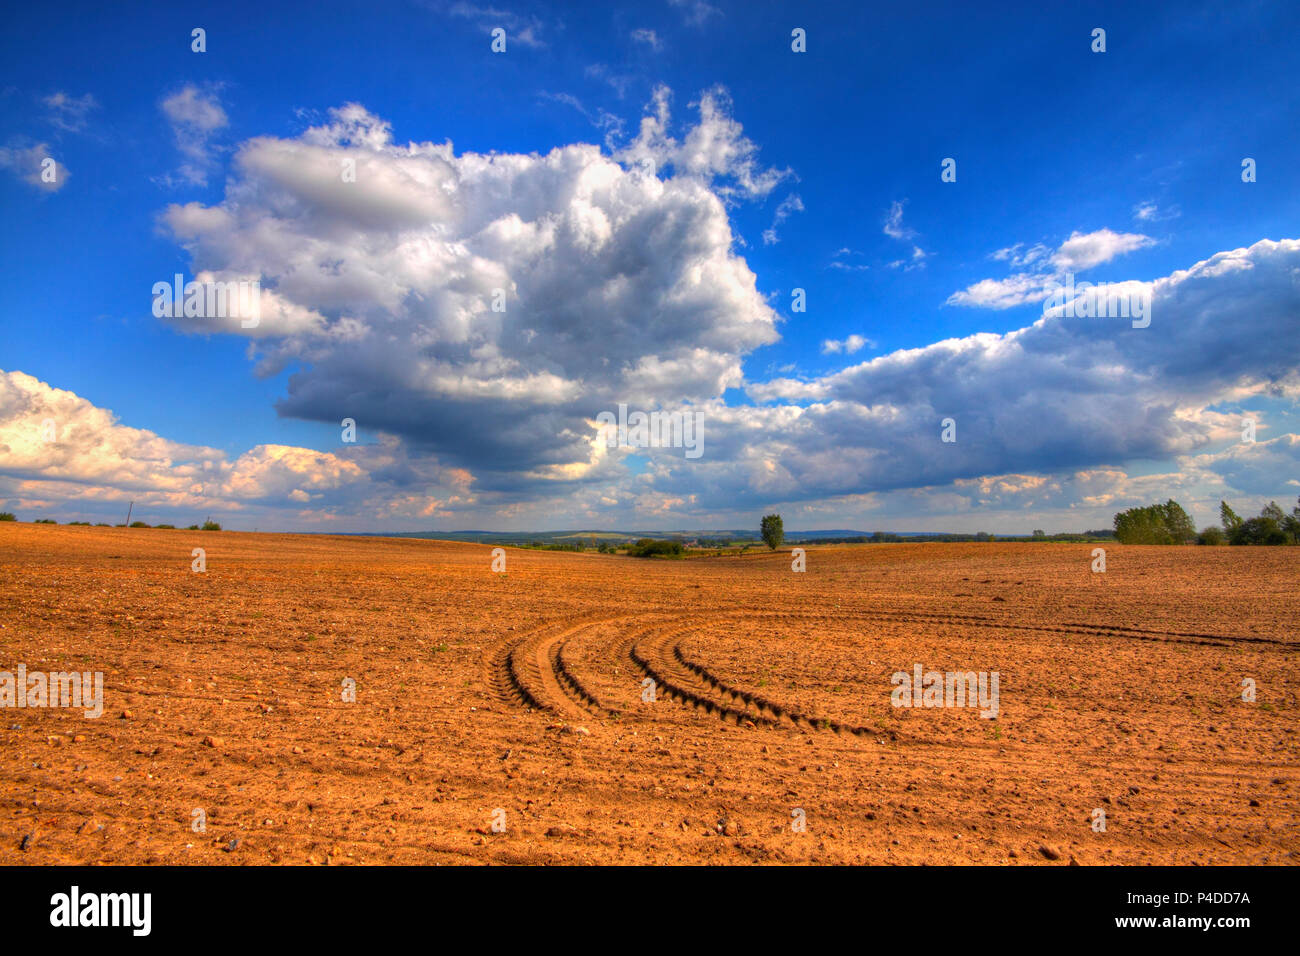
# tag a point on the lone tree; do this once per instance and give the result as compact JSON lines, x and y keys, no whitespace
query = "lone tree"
{"x":773,"y":531}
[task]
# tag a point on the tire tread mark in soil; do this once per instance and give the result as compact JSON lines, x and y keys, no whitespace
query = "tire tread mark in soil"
{"x":504,"y":681}
{"x":1100,"y":630}
{"x":648,"y":654}
{"x":534,"y":671}
{"x":528,"y":671}
{"x":763,"y":704}
{"x":572,"y":684}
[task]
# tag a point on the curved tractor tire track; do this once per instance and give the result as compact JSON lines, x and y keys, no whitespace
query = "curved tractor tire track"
{"x":536,"y":671}
{"x":542,"y":670}
{"x":681,"y":685}
{"x":1098,"y":630}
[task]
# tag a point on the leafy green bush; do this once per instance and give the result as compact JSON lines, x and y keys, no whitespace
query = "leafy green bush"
{"x":169,"y":527}
{"x":44,"y":521}
{"x":210,"y":526}
{"x":1212,"y":535}
{"x":84,"y":524}
{"x":1261,"y":530}
{"x":651,"y":548}
{"x":139,"y":524}
{"x":1273,"y":526}
{"x":7,"y":516}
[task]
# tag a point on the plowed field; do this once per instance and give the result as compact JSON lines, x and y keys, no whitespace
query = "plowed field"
{"x":589,"y":708}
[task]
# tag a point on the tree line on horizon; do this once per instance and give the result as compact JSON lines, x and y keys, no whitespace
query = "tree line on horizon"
{"x":208,"y":525}
{"x":1166,"y":523}
{"x":1170,"y":524}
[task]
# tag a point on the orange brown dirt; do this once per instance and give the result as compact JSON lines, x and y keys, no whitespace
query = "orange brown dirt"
{"x":522,"y":692}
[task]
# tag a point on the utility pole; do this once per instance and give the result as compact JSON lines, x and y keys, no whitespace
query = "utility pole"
{"x":128,"y":513}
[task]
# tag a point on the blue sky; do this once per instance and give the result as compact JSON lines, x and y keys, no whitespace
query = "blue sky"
{"x":816,"y":170}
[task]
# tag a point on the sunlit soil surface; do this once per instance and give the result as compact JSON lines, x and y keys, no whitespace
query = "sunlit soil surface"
{"x":611,"y":709}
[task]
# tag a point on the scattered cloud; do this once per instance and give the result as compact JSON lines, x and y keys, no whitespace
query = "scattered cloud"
{"x":35,"y":166}
{"x":1019,"y":259}
{"x":854,"y":343}
{"x":917,"y":260}
{"x":195,"y":115}
{"x":618,"y":82}
{"x":895,"y":229}
{"x":69,"y":112}
{"x":715,"y":151}
{"x":1150,"y":212}
{"x":842,"y":260}
{"x":1046,"y":268}
{"x":1006,"y":293}
{"x":609,"y":123}
{"x":525,"y":30}
{"x":788,"y":206}
{"x":1083,"y":251}
{"x":648,"y":37}
{"x":696,"y":12}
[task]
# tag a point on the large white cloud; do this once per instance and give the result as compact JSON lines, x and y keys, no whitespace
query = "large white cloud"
{"x":1072,"y":392}
{"x":58,"y":448}
{"x":381,"y":265}
{"x":621,"y":286}
{"x":800,"y":460}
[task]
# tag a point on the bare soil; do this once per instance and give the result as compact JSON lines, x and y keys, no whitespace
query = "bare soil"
{"x":517,"y":697}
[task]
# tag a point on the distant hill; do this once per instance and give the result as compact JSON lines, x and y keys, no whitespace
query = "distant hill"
{"x":717,"y":537}
{"x":569,"y":537}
